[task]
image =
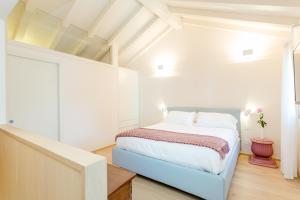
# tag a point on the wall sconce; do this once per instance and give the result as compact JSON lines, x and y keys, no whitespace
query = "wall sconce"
{"x":248,"y":52}
{"x":164,"y":110}
{"x":247,"y":112}
{"x":163,"y":66}
{"x":249,"y":109}
{"x":160,"y":67}
{"x":248,"y":55}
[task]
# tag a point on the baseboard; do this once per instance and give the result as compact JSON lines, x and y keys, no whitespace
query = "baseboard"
{"x":99,"y":149}
{"x":248,"y":154}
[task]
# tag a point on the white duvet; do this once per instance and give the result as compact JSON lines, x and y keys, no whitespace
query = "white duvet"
{"x":197,"y":157}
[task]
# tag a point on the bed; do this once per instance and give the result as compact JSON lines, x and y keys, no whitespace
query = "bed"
{"x":211,"y":181}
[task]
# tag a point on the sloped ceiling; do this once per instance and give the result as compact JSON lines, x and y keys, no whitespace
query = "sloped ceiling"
{"x":89,"y":28}
{"x":262,"y":14}
{"x":285,"y":8}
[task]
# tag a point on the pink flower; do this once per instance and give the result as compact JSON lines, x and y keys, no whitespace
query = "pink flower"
{"x":259,"y":110}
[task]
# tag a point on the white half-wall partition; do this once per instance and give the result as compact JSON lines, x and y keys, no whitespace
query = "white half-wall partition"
{"x":88,"y":96}
{"x":36,"y":168}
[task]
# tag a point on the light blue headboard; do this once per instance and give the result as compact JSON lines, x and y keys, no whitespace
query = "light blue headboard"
{"x":233,"y":111}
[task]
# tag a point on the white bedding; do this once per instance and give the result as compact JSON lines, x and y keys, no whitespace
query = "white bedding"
{"x":197,"y":157}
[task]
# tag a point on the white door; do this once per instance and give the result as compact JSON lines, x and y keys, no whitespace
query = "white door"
{"x":32,"y":95}
{"x":128,"y":99}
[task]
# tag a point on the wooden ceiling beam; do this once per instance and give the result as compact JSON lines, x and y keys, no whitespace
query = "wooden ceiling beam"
{"x":106,"y":11}
{"x":140,"y":34}
{"x":160,"y":9}
{"x":282,"y":3}
{"x":278,"y":32}
{"x":125,"y":26}
{"x":194,"y":13}
{"x":101,"y":53}
{"x":150,"y":44}
{"x":68,"y":18}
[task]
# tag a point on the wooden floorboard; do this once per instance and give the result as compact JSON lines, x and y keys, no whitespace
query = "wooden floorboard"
{"x":250,"y":182}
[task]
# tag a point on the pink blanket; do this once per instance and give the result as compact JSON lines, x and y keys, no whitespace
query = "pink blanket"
{"x":218,"y":144}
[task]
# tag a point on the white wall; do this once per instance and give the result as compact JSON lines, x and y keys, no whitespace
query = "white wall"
{"x":2,"y":72}
{"x":298,"y":143}
{"x":204,"y":67}
{"x":88,"y":96}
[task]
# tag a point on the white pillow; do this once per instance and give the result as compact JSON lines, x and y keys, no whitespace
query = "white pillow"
{"x":179,"y":117}
{"x":216,"y":120}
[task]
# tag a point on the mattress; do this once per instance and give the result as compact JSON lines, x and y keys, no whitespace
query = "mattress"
{"x":201,"y":158}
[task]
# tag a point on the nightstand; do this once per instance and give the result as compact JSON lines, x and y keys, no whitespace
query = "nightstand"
{"x":119,"y":183}
{"x":262,"y":150}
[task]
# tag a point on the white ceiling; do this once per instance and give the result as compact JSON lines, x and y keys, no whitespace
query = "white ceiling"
{"x":58,"y":8}
{"x":84,"y":13}
{"x":87,"y":28}
{"x":273,"y":17}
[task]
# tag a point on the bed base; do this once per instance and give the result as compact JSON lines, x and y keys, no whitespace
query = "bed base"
{"x":200,"y":183}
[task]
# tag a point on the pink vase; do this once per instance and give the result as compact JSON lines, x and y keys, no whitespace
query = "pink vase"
{"x":262,"y":151}
{"x":262,"y":148}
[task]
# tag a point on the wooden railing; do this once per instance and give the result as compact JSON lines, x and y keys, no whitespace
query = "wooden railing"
{"x":35,"y":168}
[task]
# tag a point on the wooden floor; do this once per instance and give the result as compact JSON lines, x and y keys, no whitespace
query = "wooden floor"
{"x":249,"y":182}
